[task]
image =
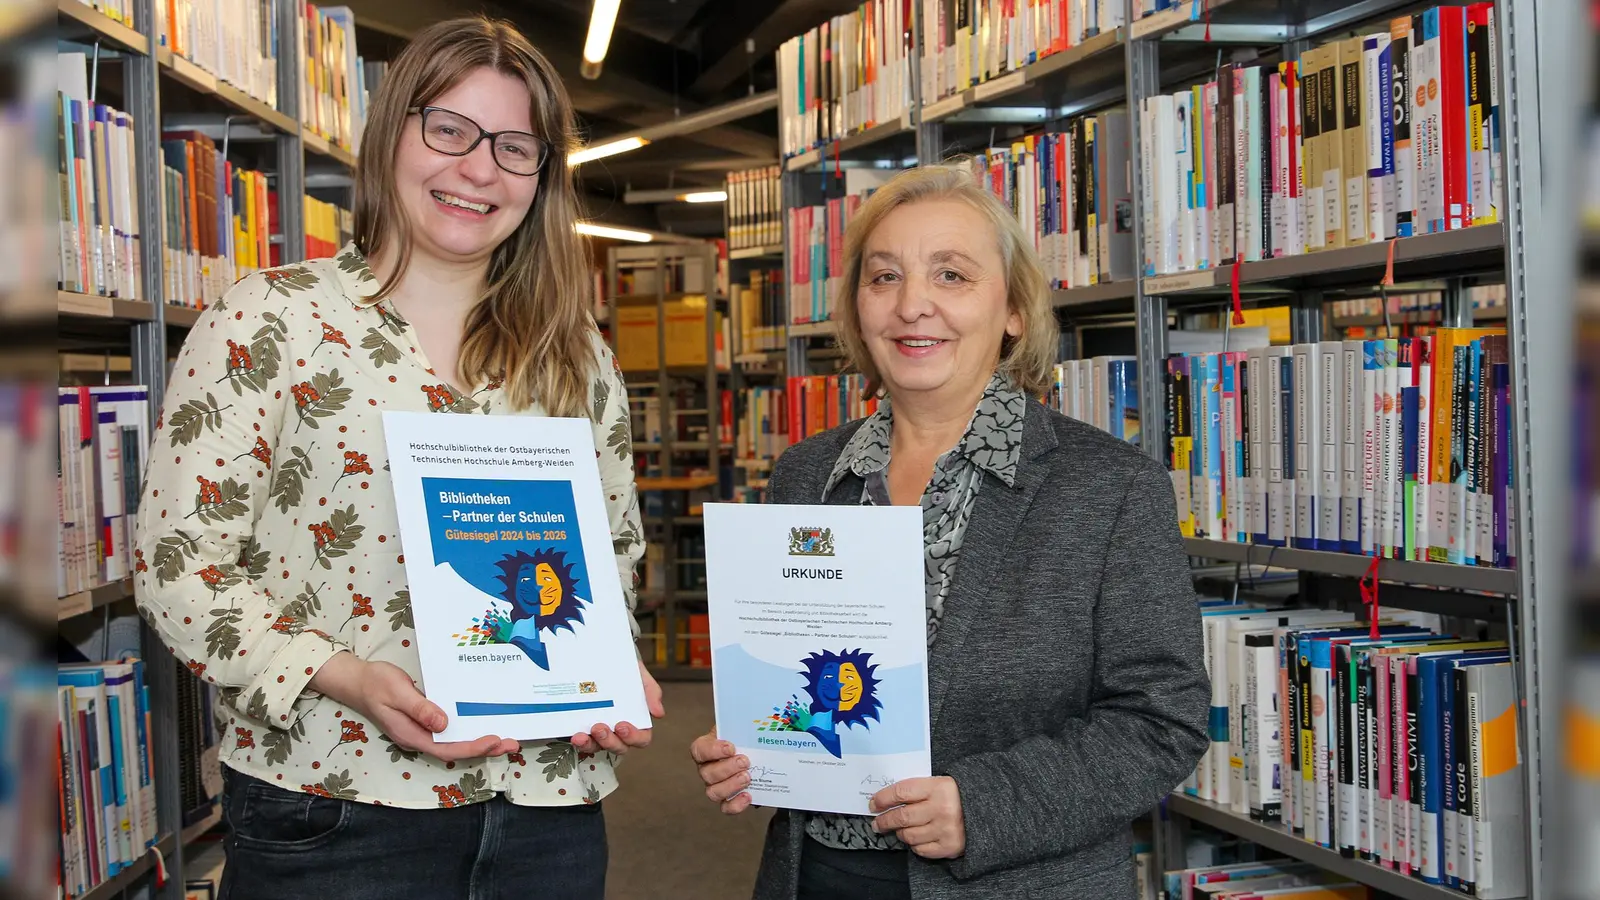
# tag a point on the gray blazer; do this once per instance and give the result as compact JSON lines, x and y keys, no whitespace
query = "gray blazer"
{"x":1066,"y":687}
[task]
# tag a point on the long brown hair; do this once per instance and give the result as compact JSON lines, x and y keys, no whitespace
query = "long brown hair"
{"x":1027,"y":360}
{"x":532,"y":326}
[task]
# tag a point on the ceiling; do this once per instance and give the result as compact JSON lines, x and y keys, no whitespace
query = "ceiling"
{"x":666,"y":58}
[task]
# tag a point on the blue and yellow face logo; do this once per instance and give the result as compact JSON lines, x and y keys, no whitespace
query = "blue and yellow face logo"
{"x":542,"y":592}
{"x":844,"y":691}
{"x":540,"y":585}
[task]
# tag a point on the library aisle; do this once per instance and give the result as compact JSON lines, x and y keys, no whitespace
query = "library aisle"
{"x":1303,"y":255}
{"x":667,"y":841}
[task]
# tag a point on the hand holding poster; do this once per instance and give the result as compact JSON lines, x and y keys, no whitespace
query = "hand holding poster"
{"x":521,"y":626}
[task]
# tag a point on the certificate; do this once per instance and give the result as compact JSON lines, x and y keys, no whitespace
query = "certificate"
{"x":819,"y":649}
{"x":522,"y":631}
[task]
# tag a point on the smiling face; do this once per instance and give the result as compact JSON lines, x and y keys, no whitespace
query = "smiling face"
{"x":932,"y":300}
{"x":462,"y":207}
{"x":549,"y":588}
{"x":850,"y":686}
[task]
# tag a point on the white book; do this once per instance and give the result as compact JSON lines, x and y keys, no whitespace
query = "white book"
{"x":1330,"y":509}
{"x":1375,"y":113}
{"x":1307,"y":467}
{"x":1350,"y":446}
{"x":1184,"y":160}
{"x":1256,"y":119}
{"x":1169,"y":191}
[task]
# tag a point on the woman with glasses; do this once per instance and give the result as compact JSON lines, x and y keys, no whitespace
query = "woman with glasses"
{"x":269,"y":558}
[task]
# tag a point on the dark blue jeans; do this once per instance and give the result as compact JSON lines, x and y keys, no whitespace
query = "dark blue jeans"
{"x":283,"y":844}
{"x":830,"y":874}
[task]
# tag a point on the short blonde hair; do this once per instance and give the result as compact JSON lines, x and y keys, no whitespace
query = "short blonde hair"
{"x":1027,"y":359}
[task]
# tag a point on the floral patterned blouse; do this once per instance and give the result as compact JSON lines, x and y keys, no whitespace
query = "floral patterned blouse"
{"x":993,"y":444}
{"x":268,"y":540}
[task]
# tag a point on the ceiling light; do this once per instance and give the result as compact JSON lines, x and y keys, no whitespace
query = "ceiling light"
{"x":600,"y":151}
{"x":704,"y":197}
{"x":601,"y":21}
{"x":606,"y":231}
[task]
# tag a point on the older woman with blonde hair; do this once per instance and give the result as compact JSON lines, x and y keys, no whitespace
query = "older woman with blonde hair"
{"x":1066,"y":687}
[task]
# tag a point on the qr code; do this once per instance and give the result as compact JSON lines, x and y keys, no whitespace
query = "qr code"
{"x":586,"y":687}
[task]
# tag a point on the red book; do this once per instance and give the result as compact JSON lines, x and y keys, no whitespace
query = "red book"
{"x":1448,"y":26}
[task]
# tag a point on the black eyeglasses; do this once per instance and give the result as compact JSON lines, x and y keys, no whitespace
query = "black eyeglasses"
{"x":518,"y":152}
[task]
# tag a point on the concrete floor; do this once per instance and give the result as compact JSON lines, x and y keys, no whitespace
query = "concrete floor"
{"x":667,"y":841}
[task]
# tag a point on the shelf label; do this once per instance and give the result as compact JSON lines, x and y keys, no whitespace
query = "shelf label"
{"x":76,"y":605}
{"x":1179,"y":283}
{"x":998,"y":86}
{"x":809,"y":158}
{"x":951,"y":104}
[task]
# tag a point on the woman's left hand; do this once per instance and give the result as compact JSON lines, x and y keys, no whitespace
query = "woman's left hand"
{"x":926,"y":816}
{"x":625,"y":736}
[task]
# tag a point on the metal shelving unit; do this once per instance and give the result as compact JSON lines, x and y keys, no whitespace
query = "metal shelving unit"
{"x":1277,"y":837}
{"x":143,"y":328}
{"x":675,"y":488}
{"x":1172,"y":48}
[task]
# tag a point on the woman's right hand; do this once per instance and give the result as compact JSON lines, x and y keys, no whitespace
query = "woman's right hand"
{"x":725,"y":773}
{"x":389,"y":699}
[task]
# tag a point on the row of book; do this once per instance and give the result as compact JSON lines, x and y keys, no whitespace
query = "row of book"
{"x":1486,"y":301}
{"x":763,"y":431}
{"x":688,"y":425}
{"x":772,"y":418}
{"x":104,"y":436}
{"x":816,"y":239}
{"x":240,"y":41}
{"x":1386,"y":741}
{"x":1071,"y":192}
{"x":759,"y":310}
{"x":333,"y":100}
{"x":99,"y":196}
{"x":1269,"y":879}
{"x":1379,"y":136}
{"x":845,"y":75}
{"x":1103,"y":392}
{"x":970,"y":42}
{"x":754,"y":208}
{"x":219,"y":220}
{"x":1399,"y":448}
{"x":237,"y":41}
{"x":106,"y":772}
{"x":328,"y":228}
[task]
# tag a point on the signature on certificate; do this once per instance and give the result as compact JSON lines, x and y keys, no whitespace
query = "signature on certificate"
{"x":881,"y":781}
{"x":759,"y":772}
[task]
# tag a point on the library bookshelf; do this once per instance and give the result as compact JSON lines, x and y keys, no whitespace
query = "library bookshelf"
{"x":131,"y":63}
{"x":1138,"y":54}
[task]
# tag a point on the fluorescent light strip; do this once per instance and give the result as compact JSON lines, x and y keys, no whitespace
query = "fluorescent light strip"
{"x":704,"y":197}
{"x":601,"y":21}
{"x":601,"y":151}
{"x":606,"y":231}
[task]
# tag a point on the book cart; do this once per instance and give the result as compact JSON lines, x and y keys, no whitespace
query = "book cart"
{"x":134,"y":332}
{"x":1183,"y":44}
